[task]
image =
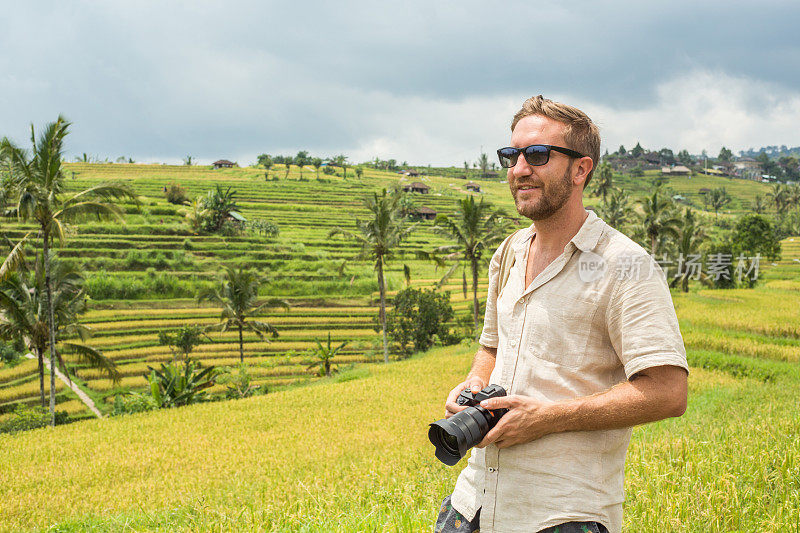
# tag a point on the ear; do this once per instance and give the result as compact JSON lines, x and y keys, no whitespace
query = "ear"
{"x":582,"y":169}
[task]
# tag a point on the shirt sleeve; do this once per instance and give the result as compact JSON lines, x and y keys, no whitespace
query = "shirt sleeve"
{"x":642,"y":323}
{"x":489,"y":336}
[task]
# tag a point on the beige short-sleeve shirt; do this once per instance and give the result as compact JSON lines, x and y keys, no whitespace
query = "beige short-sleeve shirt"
{"x":598,"y":314}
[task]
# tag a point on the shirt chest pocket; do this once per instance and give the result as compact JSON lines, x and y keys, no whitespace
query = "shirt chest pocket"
{"x":559,"y":330}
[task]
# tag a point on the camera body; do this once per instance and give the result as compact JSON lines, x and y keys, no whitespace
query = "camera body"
{"x":474,"y":399}
{"x":455,"y":435}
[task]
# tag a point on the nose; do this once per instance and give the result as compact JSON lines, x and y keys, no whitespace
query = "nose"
{"x":522,"y":168}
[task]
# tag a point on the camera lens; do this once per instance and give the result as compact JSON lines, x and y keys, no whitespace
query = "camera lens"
{"x":457,"y":434}
{"x":450,"y":442}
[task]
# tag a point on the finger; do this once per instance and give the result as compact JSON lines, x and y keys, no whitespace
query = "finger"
{"x":451,"y":398}
{"x":489,"y":438}
{"x":502,"y":402}
{"x":454,"y":408}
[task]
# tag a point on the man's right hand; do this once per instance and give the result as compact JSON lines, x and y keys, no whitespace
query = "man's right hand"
{"x":474,"y":384}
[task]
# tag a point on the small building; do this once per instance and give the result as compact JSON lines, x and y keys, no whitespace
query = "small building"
{"x":680,"y":170}
{"x":677,"y":170}
{"x":712,"y":172}
{"x":223,"y":163}
{"x":425,"y":213}
{"x":411,"y":172}
{"x":747,"y":163}
{"x":748,"y":168}
{"x":472,"y":186}
{"x":416,"y":186}
{"x":491,"y":175}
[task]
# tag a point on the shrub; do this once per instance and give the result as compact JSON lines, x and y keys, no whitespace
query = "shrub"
{"x":133,"y":402}
{"x":9,"y":355}
{"x":328,"y":170}
{"x":24,"y":418}
{"x":754,"y":234}
{"x":176,"y":195}
{"x":418,"y":316}
{"x":239,"y":385}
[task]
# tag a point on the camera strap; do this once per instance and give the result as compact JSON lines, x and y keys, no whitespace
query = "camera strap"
{"x":507,"y":260}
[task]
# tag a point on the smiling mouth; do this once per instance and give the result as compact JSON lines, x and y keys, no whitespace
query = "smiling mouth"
{"x":527,"y":188}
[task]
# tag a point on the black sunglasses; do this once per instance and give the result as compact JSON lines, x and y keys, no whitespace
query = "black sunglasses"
{"x":535,"y":154}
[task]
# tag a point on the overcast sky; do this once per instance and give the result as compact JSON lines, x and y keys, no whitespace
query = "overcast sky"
{"x":423,"y":81}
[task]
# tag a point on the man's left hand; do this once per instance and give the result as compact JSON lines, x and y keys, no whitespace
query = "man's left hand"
{"x":526,"y":420}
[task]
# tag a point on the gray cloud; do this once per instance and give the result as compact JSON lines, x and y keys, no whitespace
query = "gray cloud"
{"x":158,"y":80}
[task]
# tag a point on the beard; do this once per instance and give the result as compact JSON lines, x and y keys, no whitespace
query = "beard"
{"x":553,"y":196}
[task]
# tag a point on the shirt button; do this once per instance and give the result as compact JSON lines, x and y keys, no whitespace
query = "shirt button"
{"x":492,"y":470}
{"x":513,"y":342}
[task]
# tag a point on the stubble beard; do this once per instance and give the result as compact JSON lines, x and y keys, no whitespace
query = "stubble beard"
{"x":552,"y":198}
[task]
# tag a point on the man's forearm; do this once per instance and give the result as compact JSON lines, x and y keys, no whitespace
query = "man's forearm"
{"x":653,"y":394}
{"x":646,"y":398}
{"x":483,"y":364}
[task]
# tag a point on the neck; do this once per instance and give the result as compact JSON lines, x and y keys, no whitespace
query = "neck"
{"x":554,"y":232}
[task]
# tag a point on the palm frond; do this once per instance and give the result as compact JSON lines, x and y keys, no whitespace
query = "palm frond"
{"x":14,"y":259}
{"x":93,"y":357}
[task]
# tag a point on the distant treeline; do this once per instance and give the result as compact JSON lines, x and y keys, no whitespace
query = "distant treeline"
{"x":773,"y":152}
{"x":303,"y":158}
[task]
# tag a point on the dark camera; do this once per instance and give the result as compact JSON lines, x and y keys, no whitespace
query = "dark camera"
{"x":455,"y":435}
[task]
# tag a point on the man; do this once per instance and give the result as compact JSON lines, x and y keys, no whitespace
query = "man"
{"x":584,"y":338}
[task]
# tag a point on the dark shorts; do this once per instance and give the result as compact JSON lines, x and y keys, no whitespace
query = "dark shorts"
{"x":451,"y":521}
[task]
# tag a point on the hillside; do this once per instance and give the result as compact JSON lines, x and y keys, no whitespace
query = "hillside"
{"x":143,"y":275}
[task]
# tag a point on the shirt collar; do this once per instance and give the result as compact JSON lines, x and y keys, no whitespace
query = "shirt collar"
{"x":585,"y":240}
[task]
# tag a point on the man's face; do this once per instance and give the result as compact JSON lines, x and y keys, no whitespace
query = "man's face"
{"x":540,"y":191}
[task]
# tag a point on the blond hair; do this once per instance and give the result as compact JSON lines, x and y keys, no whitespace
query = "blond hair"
{"x":580,"y":133}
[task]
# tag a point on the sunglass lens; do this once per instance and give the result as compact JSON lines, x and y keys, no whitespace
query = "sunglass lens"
{"x":508,"y":157}
{"x":537,"y":154}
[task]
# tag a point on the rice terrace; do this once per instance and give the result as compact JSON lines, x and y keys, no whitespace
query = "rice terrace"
{"x":294,"y":445}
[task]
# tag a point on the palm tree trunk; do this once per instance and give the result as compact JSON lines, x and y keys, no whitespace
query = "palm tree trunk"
{"x":653,"y":241}
{"x":51,"y":323}
{"x":474,"y":263}
{"x":40,"y":357}
{"x":382,"y":314}
{"x":241,"y":345}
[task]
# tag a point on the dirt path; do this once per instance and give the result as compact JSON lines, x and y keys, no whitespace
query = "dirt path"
{"x":72,"y":385}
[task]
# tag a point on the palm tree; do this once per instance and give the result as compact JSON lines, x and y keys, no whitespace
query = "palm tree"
{"x":483,"y":163}
{"x":779,"y":196}
{"x":618,"y":210}
{"x":39,"y":181}
{"x":691,"y":237}
{"x":476,"y":227}
{"x":23,"y":314}
{"x":237,"y":295}
{"x":378,"y":237}
{"x":758,"y":204}
{"x":793,"y":196}
{"x":659,"y":219}
{"x":604,"y":183}
{"x":718,"y":198}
